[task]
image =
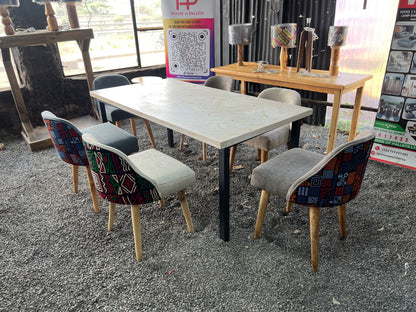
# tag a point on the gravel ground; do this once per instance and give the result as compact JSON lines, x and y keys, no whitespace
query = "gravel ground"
{"x":58,"y":256}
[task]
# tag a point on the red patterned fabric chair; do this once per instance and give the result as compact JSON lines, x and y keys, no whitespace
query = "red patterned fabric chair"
{"x":67,"y":140}
{"x":314,"y":180}
{"x":137,"y":179}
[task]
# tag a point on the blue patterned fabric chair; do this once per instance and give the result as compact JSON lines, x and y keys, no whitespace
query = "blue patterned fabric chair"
{"x":314,"y":180}
{"x":137,"y":179}
{"x":67,"y":140}
{"x":114,"y":114}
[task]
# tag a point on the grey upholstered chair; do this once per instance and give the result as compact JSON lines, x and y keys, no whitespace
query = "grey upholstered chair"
{"x":274,"y":138}
{"x":67,"y":139}
{"x":114,"y":114}
{"x":137,"y":179}
{"x":314,"y":180}
{"x":217,"y":82}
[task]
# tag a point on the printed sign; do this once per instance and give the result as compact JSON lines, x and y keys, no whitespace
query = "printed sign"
{"x":395,"y":123}
{"x":189,"y":38}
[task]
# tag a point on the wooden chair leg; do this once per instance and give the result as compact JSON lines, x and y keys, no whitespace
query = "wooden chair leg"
{"x":204,"y":151}
{"x":233,"y":152}
{"x":288,"y":207}
{"x":258,"y":154}
{"x":133,"y":126}
{"x":162,"y":202}
{"x":149,"y":132}
{"x":185,"y":210}
{"x":118,"y":124}
{"x":75,"y":170}
{"x":342,"y":217}
{"x":264,"y":156}
{"x":135,"y":218}
{"x":93,"y":190}
{"x":111,"y":211}
{"x":264,"y":200}
{"x":314,"y":228}
{"x":181,"y":142}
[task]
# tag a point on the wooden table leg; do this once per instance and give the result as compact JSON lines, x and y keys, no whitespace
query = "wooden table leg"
{"x":224,"y":184}
{"x":356,"y":113}
{"x":243,"y":87}
{"x":334,"y":121}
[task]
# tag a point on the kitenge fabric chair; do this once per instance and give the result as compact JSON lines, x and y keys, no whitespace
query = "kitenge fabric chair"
{"x":67,"y":140}
{"x":314,"y":180}
{"x":137,"y":179}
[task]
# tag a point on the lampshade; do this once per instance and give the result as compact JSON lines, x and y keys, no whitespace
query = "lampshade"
{"x":337,"y":36}
{"x":11,"y":3}
{"x":240,"y":33}
{"x":284,"y":35}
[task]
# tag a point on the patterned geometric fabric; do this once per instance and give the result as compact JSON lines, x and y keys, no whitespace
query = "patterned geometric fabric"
{"x":338,"y":182}
{"x":67,"y":142}
{"x":116,"y":181}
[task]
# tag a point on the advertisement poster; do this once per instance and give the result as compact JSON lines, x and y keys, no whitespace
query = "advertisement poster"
{"x":395,"y":123}
{"x":188,"y":27}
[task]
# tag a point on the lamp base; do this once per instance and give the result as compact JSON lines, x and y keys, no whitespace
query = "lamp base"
{"x":240,"y":55}
{"x":283,"y":58}
{"x":7,"y":22}
{"x":72,"y":14}
{"x":333,"y":67}
{"x":50,"y":13}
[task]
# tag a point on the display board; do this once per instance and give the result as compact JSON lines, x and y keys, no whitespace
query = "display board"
{"x":395,"y":122}
{"x":188,"y":27}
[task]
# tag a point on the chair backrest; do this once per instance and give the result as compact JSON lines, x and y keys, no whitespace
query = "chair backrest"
{"x":282,"y":95}
{"x":115,"y":176}
{"x":220,"y":82}
{"x":337,"y":178}
{"x":66,"y":138}
{"x":107,"y":81}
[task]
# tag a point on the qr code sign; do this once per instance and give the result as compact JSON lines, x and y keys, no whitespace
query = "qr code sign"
{"x":188,"y":51}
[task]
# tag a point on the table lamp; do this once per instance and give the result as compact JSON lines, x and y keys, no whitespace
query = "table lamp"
{"x":4,"y":12}
{"x":71,"y":8}
{"x":240,"y":34}
{"x":50,"y":14}
{"x":283,"y":36}
{"x":337,"y":38}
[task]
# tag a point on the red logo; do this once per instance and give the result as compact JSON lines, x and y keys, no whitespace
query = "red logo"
{"x":187,"y":3}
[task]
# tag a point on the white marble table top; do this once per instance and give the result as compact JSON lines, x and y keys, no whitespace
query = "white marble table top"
{"x":216,"y":117}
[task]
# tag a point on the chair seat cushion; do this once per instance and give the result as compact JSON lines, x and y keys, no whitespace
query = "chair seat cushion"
{"x":109,"y":134}
{"x":278,"y":174}
{"x":270,"y":140}
{"x":167,"y":174}
{"x":115,"y":114}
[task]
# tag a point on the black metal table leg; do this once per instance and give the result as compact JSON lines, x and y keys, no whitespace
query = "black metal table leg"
{"x":170,"y":138}
{"x":295,"y":133}
{"x":224,"y":181}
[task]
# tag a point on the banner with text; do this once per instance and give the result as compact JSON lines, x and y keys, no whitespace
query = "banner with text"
{"x":395,"y":123}
{"x":188,"y":27}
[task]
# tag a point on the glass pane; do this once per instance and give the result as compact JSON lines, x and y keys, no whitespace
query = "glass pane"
{"x":366,"y":51}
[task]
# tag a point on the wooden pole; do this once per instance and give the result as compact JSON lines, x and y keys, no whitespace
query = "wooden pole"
{"x":333,"y":68}
{"x":240,"y":55}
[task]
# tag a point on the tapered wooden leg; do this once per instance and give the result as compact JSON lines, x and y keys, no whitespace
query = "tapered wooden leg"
{"x":162,"y":202}
{"x":204,"y":151}
{"x":185,"y":210}
{"x":342,"y":217}
{"x":181,"y":142}
{"x":233,"y":152}
{"x":288,"y":207}
{"x":75,"y":170}
{"x":264,"y":156}
{"x":118,"y":124}
{"x":111,"y":211}
{"x":135,"y":218}
{"x":149,"y":132}
{"x":133,"y":126}
{"x":264,"y":200}
{"x":314,"y":225}
{"x":93,"y":190}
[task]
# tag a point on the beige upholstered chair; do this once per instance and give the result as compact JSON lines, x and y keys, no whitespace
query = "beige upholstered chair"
{"x":274,"y":138}
{"x":218,"y":82}
{"x":137,"y":179}
{"x":314,"y":180}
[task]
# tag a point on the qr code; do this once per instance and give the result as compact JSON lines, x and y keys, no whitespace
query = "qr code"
{"x":189,"y":51}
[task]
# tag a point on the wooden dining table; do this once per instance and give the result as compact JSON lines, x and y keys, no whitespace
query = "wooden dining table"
{"x":319,"y":81}
{"x":219,"y":118}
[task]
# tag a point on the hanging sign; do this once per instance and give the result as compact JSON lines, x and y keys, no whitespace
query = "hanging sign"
{"x":395,"y":123}
{"x":188,"y":27}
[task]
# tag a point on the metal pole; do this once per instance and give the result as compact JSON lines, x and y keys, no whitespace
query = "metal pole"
{"x":136,"y":37}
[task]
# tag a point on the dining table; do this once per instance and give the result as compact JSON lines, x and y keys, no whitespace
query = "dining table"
{"x":219,"y":118}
